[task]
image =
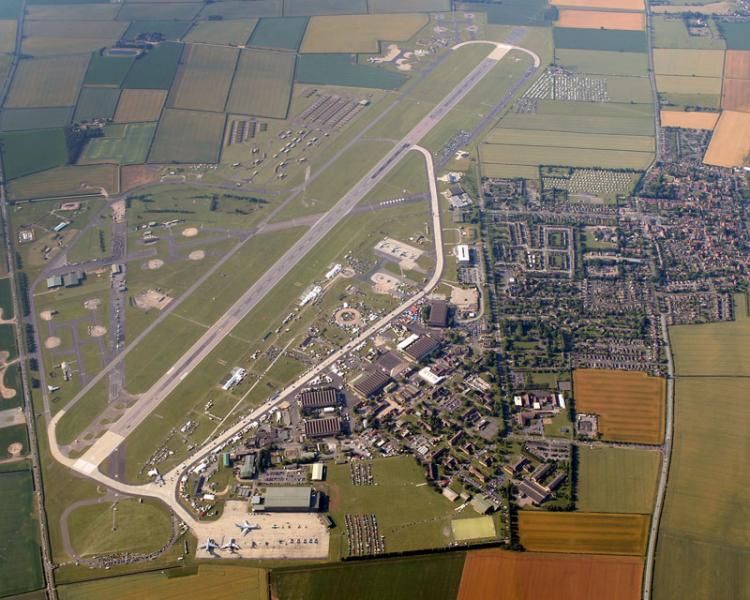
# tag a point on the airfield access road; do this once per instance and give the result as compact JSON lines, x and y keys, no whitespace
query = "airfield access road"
{"x":146,"y":404}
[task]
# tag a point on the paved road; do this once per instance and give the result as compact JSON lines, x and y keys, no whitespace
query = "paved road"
{"x":151,"y":399}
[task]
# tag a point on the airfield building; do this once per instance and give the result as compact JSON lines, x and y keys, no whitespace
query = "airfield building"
{"x":316,"y":399}
{"x":325,"y":427}
{"x":290,"y":499}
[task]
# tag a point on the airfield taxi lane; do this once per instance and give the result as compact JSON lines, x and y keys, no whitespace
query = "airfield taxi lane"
{"x":148,"y":402}
{"x":278,"y":535}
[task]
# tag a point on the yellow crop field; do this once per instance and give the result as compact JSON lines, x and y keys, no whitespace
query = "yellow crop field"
{"x":601,"y":19}
{"x":736,"y":95}
{"x":359,"y":33}
{"x":138,"y":106}
{"x":7,"y":36}
{"x":689,"y":120}
{"x":605,"y":4}
{"x":737,"y":64}
{"x":630,"y":404}
{"x":730,"y":144}
{"x":583,"y":533}
{"x":698,"y":63}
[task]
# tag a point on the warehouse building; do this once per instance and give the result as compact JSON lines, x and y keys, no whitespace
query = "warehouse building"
{"x":424,"y":347}
{"x":315,"y":399}
{"x":327,"y":426}
{"x":439,"y":314}
{"x":290,"y":499}
{"x":370,"y":383}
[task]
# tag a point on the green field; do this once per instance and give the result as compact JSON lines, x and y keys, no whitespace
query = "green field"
{"x":187,"y":136}
{"x":694,"y":63}
{"x":211,"y":582}
{"x":6,"y":300}
{"x":96,"y":103}
{"x":340,"y":69}
{"x":10,"y":9}
{"x":10,"y":435}
{"x":18,"y":535}
{"x":285,"y":33}
{"x":242,"y":9}
{"x":476,"y":528}
{"x":262,"y":84}
{"x":171,"y":30}
{"x":633,"y":64}
{"x":69,"y":180}
{"x":434,"y":577}
{"x":396,"y":6}
{"x":8,"y":340}
{"x":562,"y":156}
{"x":54,"y":38}
{"x":203,"y":79}
{"x":156,"y":69}
{"x":107,"y":70}
{"x":26,"y":152}
{"x":690,"y":91}
{"x":600,"y":39}
{"x":510,"y":12}
{"x":46,"y":82}
{"x":71,"y":12}
{"x":15,"y":119}
{"x":617,"y":480}
{"x":737,"y":35}
{"x":309,"y":8}
{"x":123,"y":144}
{"x":524,"y":137}
{"x":672,"y":33}
{"x":236,"y":31}
{"x":133,"y":11}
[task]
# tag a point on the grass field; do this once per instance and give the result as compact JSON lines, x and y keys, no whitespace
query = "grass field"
{"x":242,"y":9}
{"x":262,"y":84}
{"x":71,"y":12}
{"x":136,"y":106}
{"x":236,"y":31}
{"x":735,"y":95}
{"x":689,"y":120}
{"x":171,"y":30}
{"x":630,"y":404}
{"x":396,"y":6}
{"x":737,"y":64}
{"x":211,"y":582}
{"x":155,"y":69}
{"x":736,"y":34}
{"x":47,"y":82}
{"x":603,"y":4}
{"x":70,"y":180}
{"x":635,"y":143}
{"x":49,"y":38}
{"x":599,"y":19}
{"x":619,"y":480}
{"x":6,"y":300}
{"x":122,"y":144}
{"x":603,"y":63}
{"x":132,"y":11}
{"x":309,"y":8}
{"x":107,"y":70}
{"x":16,"y":434}
{"x":203,"y":79}
{"x":340,"y":69}
{"x":600,"y":39}
{"x":7,"y":35}
{"x":500,"y":575}
{"x":186,"y":136}
{"x":18,"y":535}
{"x":510,"y":12}
{"x":27,"y":152}
{"x":689,"y":86}
{"x":132,"y":527}
{"x":583,"y":533}
{"x":730,"y":144}
{"x":585,"y":117}
{"x":697,"y":63}
{"x":14,"y":119}
{"x":505,"y":154}
{"x":473,"y":529}
{"x":96,"y":103}
{"x":414,"y":578}
{"x":359,"y":33}
{"x":282,"y":34}
{"x":672,"y":33}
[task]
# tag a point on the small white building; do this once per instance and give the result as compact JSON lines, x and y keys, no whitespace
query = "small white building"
{"x":462,"y":254}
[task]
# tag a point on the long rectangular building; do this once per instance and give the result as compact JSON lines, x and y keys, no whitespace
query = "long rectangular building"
{"x":314,"y":399}
{"x":327,"y":426}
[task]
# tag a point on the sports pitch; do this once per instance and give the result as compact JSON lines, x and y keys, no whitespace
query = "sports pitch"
{"x":473,"y":529}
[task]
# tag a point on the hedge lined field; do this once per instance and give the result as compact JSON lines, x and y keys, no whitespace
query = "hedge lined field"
{"x":203,"y":79}
{"x":30,"y":151}
{"x":284,"y":34}
{"x":107,"y":70}
{"x":359,"y":33}
{"x":96,"y":103}
{"x":187,"y":136}
{"x":156,"y":69}
{"x":262,"y":84}
{"x":140,"y":105}
{"x":46,"y":82}
{"x":236,"y":31}
{"x":14,"y":119}
{"x":122,"y":144}
{"x":600,"y":39}
{"x":340,"y":69}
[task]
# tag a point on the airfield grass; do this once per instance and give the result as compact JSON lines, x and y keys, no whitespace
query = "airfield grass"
{"x":132,"y":527}
{"x":156,"y":69}
{"x":87,"y":244}
{"x":203,"y":79}
{"x":123,"y":144}
{"x":262,"y":84}
{"x":96,"y":103}
{"x":67,"y":181}
{"x":413,"y":578}
{"x":236,"y":31}
{"x":27,"y":152}
{"x":597,"y":62}
{"x":16,"y":119}
{"x":584,"y":533}
{"x":510,"y":12}
{"x":617,"y":480}
{"x":46,"y":82}
{"x":670,"y":32}
{"x":18,"y":535}
{"x":360,"y":33}
{"x":188,"y":136}
{"x":211,"y":582}
{"x":343,"y":70}
{"x":107,"y":70}
{"x":282,"y":34}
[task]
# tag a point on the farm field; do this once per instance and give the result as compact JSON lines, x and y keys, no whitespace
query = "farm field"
{"x":47,"y":82}
{"x":689,"y":120}
{"x":211,"y":582}
{"x":690,"y":91}
{"x":171,"y":30}
{"x":619,"y":480}
{"x":30,"y":151}
{"x":241,"y":9}
{"x":604,"y":4}
{"x":283,"y":34}
{"x":107,"y":70}
{"x":630,"y":404}
{"x":636,"y":143}
{"x":7,"y":35}
{"x":18,"y":535}
{"x":736,"y":34}
{"x":737,"y":64}
{"x":395,"y":6}
{"x":203,"y":78}
{"x":736,"y":95}
{"x":510,"y":12}
{"x":71,"y":12}
{"x":603,"y":63}
{"x":498,"y":574}
{"x":476,"y":528}
{"x":505,"y":154}
{"x":592,"y":19}
{"x":13,"y":119}
{"x":188,"y":136}
{"x":137,"y":106}
{"x":696,"y":63}
{"x":96,"y":103}
{"x":730,"y":144}
{"x":156,"y":69}
{"x":133,"y":11}
{"x":51,"y":38}
{"x":583,"y":533}
{"x":309,"y":8}
{"x":359,"y":33}
{"x":412,"y":578}
{"x":236,"y":31}
{"x":66,"y":180}
{"x":339,"y":69}
{"x":600,"y":39}
{"x":704,"y":537}
{"x":670,"y":32}
{"x":123,"y":144}
{"x":262,"y":84}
